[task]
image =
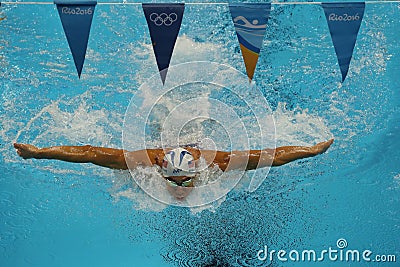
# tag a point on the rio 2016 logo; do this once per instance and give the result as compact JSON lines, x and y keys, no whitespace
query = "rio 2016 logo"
{"x":345,"y":17}
{"x":77,"y":11}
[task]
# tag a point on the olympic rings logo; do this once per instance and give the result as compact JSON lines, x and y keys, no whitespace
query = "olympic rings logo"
{"x":163,"y":19}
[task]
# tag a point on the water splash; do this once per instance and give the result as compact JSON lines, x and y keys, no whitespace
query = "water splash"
{"x":299,"y":127}
{"x":76,"y":120}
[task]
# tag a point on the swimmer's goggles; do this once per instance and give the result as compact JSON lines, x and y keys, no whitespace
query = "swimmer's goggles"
{"x":185,"y":183}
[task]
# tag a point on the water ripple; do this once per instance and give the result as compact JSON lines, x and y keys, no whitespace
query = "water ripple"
{"x":7,"y":199}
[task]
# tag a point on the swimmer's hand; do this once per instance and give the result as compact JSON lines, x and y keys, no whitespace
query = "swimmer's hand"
{"x":26,"y":151}
{"x":321,"y":147}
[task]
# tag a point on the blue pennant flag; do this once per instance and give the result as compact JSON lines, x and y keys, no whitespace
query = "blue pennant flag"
{"x":164,"y":22}
{"x":344,"y":20}
{"x":250,"y":22}
{"x":76,"y":18}
{"x":1,"y":18}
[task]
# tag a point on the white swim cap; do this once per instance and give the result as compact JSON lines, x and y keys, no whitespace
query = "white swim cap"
{"x":178,"y":162}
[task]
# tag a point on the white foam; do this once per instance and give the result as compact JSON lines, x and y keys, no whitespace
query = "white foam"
{"x":396,"y":179}
{"x":76,"y":124}
{"x":140,"y":200}
{"x":377,"y":57}
{"x":299,"y":127}
{"x":150,"y":177}
{"x":186,"y":50}
{"x":79,"y":124}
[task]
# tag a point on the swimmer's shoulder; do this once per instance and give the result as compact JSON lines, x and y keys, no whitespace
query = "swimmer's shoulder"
{"x":145,"y":157}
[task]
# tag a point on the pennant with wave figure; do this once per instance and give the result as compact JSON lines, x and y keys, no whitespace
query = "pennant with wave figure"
{"x":250,"y":20}
{"x":164,"y":22}
{"x":76,"y":18}
{"x":344,"y":20}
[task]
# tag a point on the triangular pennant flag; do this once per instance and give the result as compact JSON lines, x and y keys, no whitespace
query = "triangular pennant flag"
{"x":1,"y":18}
{"x":250,"y":22}
{"x":164,"y":22}
{"x":344,"y":20}
{"x":76,"y":18}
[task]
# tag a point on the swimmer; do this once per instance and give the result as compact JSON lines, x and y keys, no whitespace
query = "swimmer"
{"x":178,"y":164}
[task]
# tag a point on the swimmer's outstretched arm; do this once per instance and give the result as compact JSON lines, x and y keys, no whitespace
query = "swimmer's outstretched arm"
{"x":105,"y":157}
{"x":268,"y":157}
{"x":102,"y":156}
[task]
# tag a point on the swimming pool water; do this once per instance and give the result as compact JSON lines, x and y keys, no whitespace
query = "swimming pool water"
{"x":62,"y":214}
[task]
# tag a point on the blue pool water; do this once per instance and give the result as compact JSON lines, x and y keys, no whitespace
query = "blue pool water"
{"x":63,"y":214}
